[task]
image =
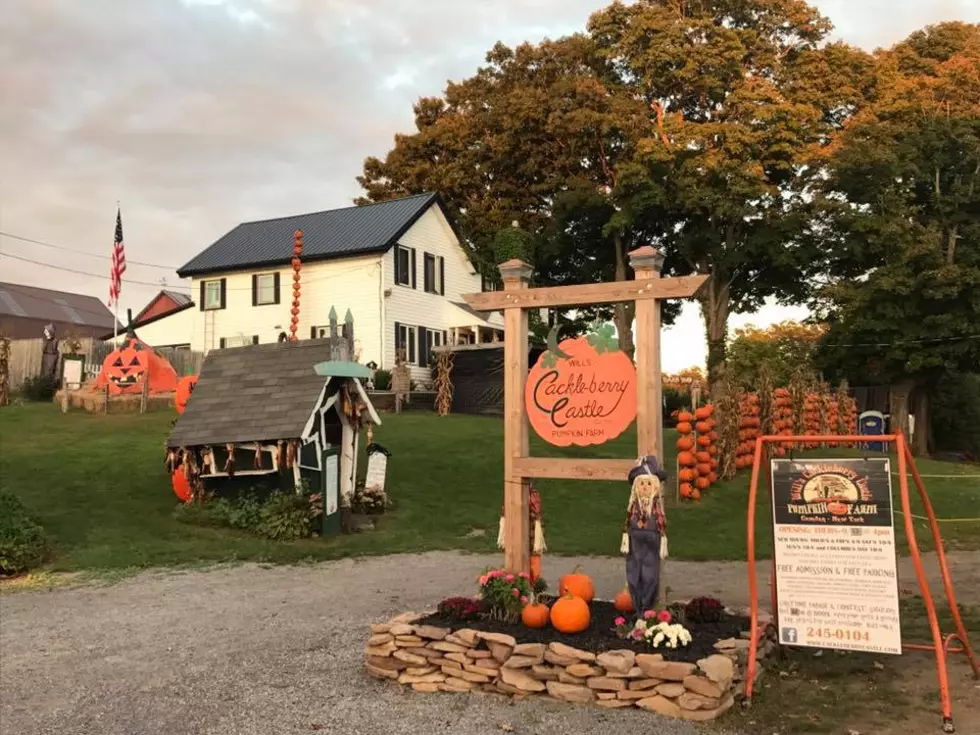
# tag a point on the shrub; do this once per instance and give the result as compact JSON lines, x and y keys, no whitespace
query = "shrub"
{"x":369,"y":501}
{"x":23,"y":544}
{"x":39,"y":388}
{"x":704,"y":610}
{"x":460,"y":608}
{"x":382,"y":379}
{"x":285,"y":517}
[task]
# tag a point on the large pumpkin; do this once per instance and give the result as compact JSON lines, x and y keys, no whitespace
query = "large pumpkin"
{"x":182,"y":488}
{"x":125,"y":369}
{"x":570,"y":614}
{"x":185,"y":386}
{"x":576,"y":395}
{"x":577,"y":584}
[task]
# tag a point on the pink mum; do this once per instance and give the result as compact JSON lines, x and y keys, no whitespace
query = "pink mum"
{"x":620,"y":620}
{"x":515,"y":592}
{"x":663,"y":616}
{"x":649,"y":614}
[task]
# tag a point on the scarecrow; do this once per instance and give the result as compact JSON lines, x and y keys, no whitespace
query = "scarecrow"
{"x":537,"y":543}
{"x":645,"y":533}
{"x":49,"y":353}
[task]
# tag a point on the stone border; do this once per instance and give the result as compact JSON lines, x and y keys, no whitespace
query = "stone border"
{"x":430,"y":659}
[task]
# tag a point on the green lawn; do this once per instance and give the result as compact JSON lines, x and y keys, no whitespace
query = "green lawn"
{"x":99,"y":486}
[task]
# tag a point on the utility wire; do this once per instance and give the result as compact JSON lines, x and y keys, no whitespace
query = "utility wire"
{"x":83,"y":252}
{"x":82,"y":273}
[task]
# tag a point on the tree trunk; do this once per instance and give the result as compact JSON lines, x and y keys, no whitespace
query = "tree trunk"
{"x":623,"y":312}
{"x":920,"y":407}
{"x":715,"y":305}
{"x":898,"y":406}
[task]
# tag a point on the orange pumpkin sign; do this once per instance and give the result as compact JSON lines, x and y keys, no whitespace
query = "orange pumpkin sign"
{"x":126,"y":368}
{"x":582,"y":391}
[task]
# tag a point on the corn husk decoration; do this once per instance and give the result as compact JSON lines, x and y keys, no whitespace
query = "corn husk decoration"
{"x":281,"y":455}
{"x":171,"y":461}
{"x":207,"y":459}
{"x":290,"y":454}
{"x":538,"y":545}
{"x":257,"y":459}
{"x":230,"y":462}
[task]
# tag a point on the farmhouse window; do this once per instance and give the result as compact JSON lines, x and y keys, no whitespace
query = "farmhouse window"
{"x":213,"y":294}
{"x":405,"y":266}
{"x":405,"y":340}
{"x":265,"y":289}
{"x":430,"y":338}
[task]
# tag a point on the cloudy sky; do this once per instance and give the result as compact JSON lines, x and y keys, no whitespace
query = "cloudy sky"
{"x":199,"y":114}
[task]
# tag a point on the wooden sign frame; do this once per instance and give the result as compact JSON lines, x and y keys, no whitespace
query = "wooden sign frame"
{"x":515,"y":301}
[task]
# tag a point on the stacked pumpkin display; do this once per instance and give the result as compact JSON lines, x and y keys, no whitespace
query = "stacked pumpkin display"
{"x":811,"y":417}
{"x":697,"y":452}
{"x":782,"y":418}
{"x":830,"y":423}
{"x":848,"y":421}
{"x":748,"y":430}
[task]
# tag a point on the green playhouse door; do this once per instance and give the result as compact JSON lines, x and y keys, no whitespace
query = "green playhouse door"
{"x":330,"y":462}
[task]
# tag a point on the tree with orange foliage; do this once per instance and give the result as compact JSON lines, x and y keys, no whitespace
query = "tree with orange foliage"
{"x":781,"y":347}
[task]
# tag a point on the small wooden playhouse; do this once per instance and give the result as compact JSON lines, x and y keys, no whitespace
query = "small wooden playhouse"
{"x":277,"y":414}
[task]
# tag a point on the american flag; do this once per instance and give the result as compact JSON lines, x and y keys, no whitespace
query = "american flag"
{"x":118,"y":262}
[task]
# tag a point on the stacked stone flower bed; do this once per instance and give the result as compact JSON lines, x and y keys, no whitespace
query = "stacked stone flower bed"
{"x":432,"y":658}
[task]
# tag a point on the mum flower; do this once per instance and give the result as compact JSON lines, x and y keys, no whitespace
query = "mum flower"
{"x":620,"y":620}
{"x":648,"y":614}
{"x":509,"y":578}
{"x":524,"y":599}
{"x":663,"y":616}
{"x":483,"y":580}
{"x":515,"y":592}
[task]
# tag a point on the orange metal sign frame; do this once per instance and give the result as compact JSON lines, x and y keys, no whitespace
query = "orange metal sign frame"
{"x":940,"y":645}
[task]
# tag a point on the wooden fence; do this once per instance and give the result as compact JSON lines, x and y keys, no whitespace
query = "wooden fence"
{"x":26,"y":354}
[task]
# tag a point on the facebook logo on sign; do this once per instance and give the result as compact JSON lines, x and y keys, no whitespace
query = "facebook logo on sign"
{"x":789,"y":635}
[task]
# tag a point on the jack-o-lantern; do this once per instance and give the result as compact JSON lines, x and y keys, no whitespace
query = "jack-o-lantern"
{"x":185,"y":386}
{"x":582,"y":391}
{"x":126,"y":368}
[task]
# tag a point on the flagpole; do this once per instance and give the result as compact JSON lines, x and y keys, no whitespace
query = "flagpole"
{"x":115,"y":313}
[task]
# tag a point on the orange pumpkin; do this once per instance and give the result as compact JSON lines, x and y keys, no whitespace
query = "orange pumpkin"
{"x":623,"y":601}
{"x":702,"y":457}
{"x":695,"y":494}
{"x":702,"y":483}
{"x":185,"y":386}
{"x":684,"y":427}
{"x":702,"y":413}
{"x":710,"y":408}
{"x":686,"y":489}
{"x":713,"y":478}
{"x":713,"y":463}
{"x":570,"y":614}
{"x":535,"y":615}
{"x":704,"y":469}
{"x":712,"y":451}
{"x":577,"y":584}
{"x":684,"y":416}
{"x":704,"y":440}
{"x":686,"y":475}
{"x":686,"y":459}
{"x":685,"y":444}
{"x":702,"y":427}
{"x":182,"y":488}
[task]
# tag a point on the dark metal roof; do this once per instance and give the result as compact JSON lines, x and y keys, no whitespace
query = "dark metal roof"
{"x":336,"y":233}
{"x":53,"y":306}
{"x":254,"y":393}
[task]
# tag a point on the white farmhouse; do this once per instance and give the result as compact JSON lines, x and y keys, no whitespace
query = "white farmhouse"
{"x":398,"y":266}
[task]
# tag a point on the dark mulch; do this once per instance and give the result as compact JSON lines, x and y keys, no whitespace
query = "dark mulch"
{"x":601,"y":636}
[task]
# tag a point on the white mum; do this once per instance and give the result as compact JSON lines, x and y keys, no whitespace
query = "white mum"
{"x":673,"y":634}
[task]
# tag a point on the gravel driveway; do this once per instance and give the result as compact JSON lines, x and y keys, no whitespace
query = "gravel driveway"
{"x":278,"y":650}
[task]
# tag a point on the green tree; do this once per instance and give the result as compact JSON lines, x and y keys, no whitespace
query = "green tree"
{"x":742,"y":95}
{"x":685,"y":125}
{"x":902,"y":214}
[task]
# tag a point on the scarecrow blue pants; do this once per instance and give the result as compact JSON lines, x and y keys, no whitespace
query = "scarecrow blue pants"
{"x":643,"y":567}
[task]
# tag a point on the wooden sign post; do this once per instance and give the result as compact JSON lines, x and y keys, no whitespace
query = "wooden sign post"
{"x":515,"y":301}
